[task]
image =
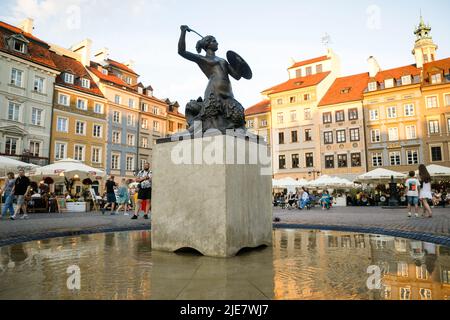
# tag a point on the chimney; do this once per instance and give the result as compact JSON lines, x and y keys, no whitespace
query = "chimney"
{"x":27,"y":25}
{"x":374,"y":67}
{"x":101,"y":55}
{"x":84,"y":50}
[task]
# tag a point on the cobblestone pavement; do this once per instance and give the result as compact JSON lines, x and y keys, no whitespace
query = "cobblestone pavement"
{"x":369,"y":219}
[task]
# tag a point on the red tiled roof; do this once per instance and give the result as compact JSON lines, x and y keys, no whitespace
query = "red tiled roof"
{"x":37,"y":52}
{"x":346,"y":89}
{"x":306,"y":62}
{"x":177,"y":114}
{"x":121,"y":66}
{"x":64,"y":63}
{"x":108,"y":77}
{"x":397,"y":73}
{"x":261,"y":107}
{"x":297,"y":83}
{"x":443,"y":64}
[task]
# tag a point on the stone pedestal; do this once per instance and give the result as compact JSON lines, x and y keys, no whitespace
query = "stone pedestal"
{"x":211,"y":194}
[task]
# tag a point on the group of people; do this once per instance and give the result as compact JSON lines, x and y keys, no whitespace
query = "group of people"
{"x":419,"y":191}
{"x":122,"y":200}
{"x":303,"y":199}
{"x":18,"y":189}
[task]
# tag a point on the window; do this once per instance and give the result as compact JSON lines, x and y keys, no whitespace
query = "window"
{"x":80,"y":127}
{"x":96,"y":155}
{"x":448,"y":125}
{"x":130,"y":163}
{"x":116,"y":117}
{"x":131,"y":118}
{"x":388,"y":83}
{"x":130,"y":139}
{"x":309,"y":160}
{"x":308,"y":136}
{"x":387,"y":292}
{"x":354,"y":134}
{"x":342,"y":161}
{"x":117,"y":99}
{"x":307,"y":97}
{"x":98,"y":108}
{"x":377,"y":159}
{"x":115,"y":162}
{"x":144,"y":124}
{"x":16,"y":77}
{"x":116,"y":137}
{"x":280,"y":137}
{"x":308,"y":71}
{"x":329,"y":162}
{"x":155,"y":110}
{"x":328,"y":137}
{"x":409,"y":110}
{"x":406,"y":80}
{"x":293,"y":116}
{"x":394,"y":158}
{"x":422,"y":272}
{"x":447,"y":100}
{"x":97,"y":131}
{"x":402,"y":269}
{"x":433,"y":126}
{"x":35,"y":148}
{"x":295,"y":161}
{"x":294,"y":136}
{"x":79,"y":153}
{"x":319,"y":68}
{"x":425,"y":294}
{"x":436,"y":78}
{"x":432,"y":102}
{"x":156,"y":126}
{"x":392,"y":112}
{"x":36,"y":116}
{"x":131,"y":103}
{"x":353,"y":114}
{"x":393,"y":134}
{"x":11,"y":146}
{"x":436,"y":153}
{"x":144,"y":142}
{"x":282,"y":162}
{"x":82,"y":104}
{"x":280,"y":117}
{"x":280,"y":101}
{"x":405,"y":293}
{"x":64,"y":100}
{"x":39,"y":84}
{"x":143,"y":162}
{"x":356,"y":159}
{"x":375,"y":135}
{"x":13,"y":111}
{"x":412,"y":157}
{"x":60,"y":151}
{"x":86,"y":83}
{"x":308,"y":114}
{"x":19,"y":46}
{"x":263,"y":123}
{"x":372,"y":86}
{"x":69,"y":78}
{"x":373,"y":113}
{"x":171,"y":126}
{"x":327,"y":118}
{"x":144,"y":107}
{"x":340,"y":136}
{"x":292,"y":99}
{"x":410,"y":132}
{"x":340,"y":116}
{"x":62,"y":125}
{"x":445,"y":275}
{"x":298,"y":73}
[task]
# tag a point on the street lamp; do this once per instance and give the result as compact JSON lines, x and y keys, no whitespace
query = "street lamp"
{"x":313,"y":172}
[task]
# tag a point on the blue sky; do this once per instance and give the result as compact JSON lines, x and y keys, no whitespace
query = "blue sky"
{"x":267,"y":33}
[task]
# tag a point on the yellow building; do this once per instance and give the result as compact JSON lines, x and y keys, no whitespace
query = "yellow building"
{"x":258,"y":119}
{"x":176,"y":121}
{"x":341,"y":116}
{"x":295,"y":135}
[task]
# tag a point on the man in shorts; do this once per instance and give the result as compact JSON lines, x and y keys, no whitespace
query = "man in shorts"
{"x":110,"y":195}
{"x":144,"y":178}
{"x":412,"y":188}
{"x":20,"y":190}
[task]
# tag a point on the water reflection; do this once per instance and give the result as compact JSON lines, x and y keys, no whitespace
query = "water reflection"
{"x":302,"y":264}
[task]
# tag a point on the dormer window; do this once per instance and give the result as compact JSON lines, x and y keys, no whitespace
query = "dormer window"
{"x":345,"y":90}
{"x":436,"y":78}
{"x":372,"y":86}
{"x":150,"y":93}
{"x":19,"y":46}
{"x":68,"y":78}
{"x":389,"y":83}
{"x":85,"y":83}
{"x":406,"y":80}
{"x":140,"y":90}
{"x":105,"y":72}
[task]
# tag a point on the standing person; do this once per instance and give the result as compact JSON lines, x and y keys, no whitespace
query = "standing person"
{"x":123,"y":197}
{"x":9,"y":196}
{"x":20,"y":190}
{"x":412,"y":187}
{"x":110,"y":195}
{"x":144,"y":178}
{"x":425,"y":190}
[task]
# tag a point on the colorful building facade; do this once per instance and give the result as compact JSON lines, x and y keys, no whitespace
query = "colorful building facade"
{"x":259,"y":118}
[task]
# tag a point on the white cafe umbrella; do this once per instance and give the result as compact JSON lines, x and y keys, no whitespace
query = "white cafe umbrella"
{"x":380,"y":175}
{"x":438,"y":171}
{"x":69,"y":168}
{"x":8,"y":164}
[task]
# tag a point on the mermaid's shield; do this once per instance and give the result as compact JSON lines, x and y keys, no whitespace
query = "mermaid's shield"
{"x":239,"y":65}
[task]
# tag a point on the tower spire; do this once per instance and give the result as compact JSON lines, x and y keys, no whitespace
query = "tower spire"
{"x":424,"y":49}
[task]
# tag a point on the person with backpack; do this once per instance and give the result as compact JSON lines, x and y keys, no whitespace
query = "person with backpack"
{"x":412,"y":187}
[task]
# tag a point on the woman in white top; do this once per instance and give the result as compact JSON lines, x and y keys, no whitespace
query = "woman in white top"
{"x":425,"y":190}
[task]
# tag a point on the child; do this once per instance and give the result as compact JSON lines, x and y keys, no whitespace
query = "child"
{"x":325,"y":200}
{"x":412,"y":187}
{"x":123,"y":197}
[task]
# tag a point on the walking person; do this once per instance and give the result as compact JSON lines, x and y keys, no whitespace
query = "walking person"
{"x":110,"y":195}
{"x":20,"y":190}
{"x":425,"y":191}
{"x":412,"y":187}
{"x":123,"y":197}
{"x":144,"y":178}
{"x":8,"y":195}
